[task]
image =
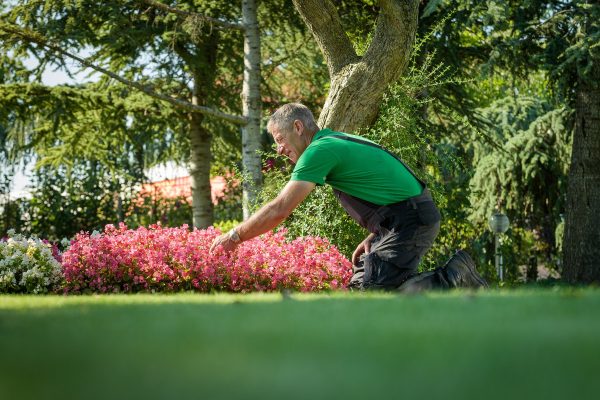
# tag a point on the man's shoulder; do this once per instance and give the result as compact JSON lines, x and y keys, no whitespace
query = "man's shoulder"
{"x":329,"y":136}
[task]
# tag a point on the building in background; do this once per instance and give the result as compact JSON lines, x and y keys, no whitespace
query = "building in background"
{"x":181,"y":187}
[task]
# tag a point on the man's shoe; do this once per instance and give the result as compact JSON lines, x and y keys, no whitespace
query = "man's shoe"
{"x":462,"y":273}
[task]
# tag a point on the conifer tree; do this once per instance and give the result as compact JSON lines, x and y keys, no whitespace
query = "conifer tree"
{"x":186,"y":47}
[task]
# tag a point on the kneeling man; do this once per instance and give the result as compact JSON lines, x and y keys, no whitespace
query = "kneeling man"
{"x":376,"y":189}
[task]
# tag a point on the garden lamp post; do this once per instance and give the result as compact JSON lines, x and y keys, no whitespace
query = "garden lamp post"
{"x":498,"y":224}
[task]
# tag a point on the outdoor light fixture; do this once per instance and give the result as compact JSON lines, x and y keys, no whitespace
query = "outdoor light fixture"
{"x":498,"y":224}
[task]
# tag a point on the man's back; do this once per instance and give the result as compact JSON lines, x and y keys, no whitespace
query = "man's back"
{"x":360,"y":170}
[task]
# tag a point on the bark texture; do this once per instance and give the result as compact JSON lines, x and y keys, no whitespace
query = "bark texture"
{"x":251,"y":107}
{"x":358,"y":83}
{"x":203,"y":64}
{"x":582,"y":231}
{"x":200,"y":158}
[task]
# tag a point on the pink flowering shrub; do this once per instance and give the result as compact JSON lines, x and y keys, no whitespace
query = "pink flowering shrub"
{"x":174,"y":259}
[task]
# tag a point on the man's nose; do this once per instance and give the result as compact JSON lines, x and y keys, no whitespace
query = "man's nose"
{"x":279,"y":149}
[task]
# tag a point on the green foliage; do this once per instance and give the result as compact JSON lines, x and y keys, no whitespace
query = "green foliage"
{"x":11,"y":210}
{"x":294,"y":69}
{"x":122,"y":129}
{"x":226,"y":225}
{"x":151,"y":47}
{"x":517,"y":246}
{"x":147,"y":209}
{"x":525,"y":59}
{"x":527,"y":176}
{"x":85,"y":198}
{"x":229,"y":207}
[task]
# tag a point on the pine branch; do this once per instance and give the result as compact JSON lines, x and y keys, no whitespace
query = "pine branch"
{"x":36,"y":90}
{"x":193,"y":15}
{"x":34,"y":37}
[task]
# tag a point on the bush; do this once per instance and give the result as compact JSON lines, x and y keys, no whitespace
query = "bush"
{"x":28,"y":266}
{"x":150,"y":209}
{"x":65,"y":200}
{"x":174,"y":259}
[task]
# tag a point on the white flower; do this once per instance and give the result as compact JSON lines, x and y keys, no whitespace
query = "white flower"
{"x":27,"y":265}
{"x":25,"y":260}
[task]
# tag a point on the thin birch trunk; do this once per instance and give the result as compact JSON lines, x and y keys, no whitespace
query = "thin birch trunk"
{"x":251,"y":143}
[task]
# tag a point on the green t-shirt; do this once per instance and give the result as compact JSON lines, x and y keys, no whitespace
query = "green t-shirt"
{"x":360,"y":170}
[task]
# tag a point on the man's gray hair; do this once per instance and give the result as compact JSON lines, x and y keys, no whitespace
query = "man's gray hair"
{"x":285,"y":116}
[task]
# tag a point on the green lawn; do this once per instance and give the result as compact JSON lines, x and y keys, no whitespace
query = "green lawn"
{"x":542,"y":343}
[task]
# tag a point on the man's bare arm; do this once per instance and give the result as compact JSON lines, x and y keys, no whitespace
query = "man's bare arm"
{"x":271,"y":214}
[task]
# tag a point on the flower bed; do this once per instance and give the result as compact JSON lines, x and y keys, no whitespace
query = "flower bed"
{"x":27,"y":265}
{"x":174,"y":259}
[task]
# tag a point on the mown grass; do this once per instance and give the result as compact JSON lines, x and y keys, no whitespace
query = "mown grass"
{"x":540,"y":343}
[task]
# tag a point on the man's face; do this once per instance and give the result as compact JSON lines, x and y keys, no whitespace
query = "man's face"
{"x":289,"y":144}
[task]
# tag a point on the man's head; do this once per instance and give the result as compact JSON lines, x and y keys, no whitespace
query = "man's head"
{"x":292,"y":127}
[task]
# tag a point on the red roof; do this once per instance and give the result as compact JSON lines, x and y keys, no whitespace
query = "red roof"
{"x":182,"y":187}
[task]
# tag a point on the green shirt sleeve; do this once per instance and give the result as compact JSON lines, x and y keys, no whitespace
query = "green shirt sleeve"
{"x":315,"y":164}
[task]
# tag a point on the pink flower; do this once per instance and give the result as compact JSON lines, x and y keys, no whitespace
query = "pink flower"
{"x":173,"y":259}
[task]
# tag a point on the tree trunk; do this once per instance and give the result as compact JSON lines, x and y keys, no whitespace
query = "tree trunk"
{"x":251,"y":142}
{"x":200,"y":158}
{"x":358,"y":83}
{"x":582,"y":235}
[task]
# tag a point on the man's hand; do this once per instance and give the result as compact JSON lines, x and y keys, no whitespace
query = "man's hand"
{"x":269,"y":215}
{"x":224,"y":241}
{"x":363,"y":247}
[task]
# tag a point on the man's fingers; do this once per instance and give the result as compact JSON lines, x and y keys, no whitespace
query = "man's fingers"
{"x":359,"y":250}
{"x":354,"y":256}
{"x":224,"y":242}
{"x":214,"y":245}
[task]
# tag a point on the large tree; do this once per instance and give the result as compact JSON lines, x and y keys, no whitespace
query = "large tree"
{"x":581,"y":250}
{"x":357,"y":83}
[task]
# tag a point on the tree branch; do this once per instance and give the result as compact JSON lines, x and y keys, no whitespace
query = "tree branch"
{"x":34,"y":37}
{"x":193,"y":15}
{"x":9,"y":90}
{"x":323,"y":20}
{"x":394,"y":33}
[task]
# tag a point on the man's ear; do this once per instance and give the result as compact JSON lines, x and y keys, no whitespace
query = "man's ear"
{"x":298,"y":127}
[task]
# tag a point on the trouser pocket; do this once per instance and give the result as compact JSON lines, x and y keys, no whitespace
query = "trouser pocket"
{"x":428,"y":213}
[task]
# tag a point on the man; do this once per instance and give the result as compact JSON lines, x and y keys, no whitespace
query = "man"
{"x":376,"y":188}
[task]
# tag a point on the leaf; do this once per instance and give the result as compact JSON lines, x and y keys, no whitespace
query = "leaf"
{"x":431,"y":7}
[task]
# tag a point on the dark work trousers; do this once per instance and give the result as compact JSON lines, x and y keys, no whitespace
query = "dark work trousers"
{"x":397,"y":249}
